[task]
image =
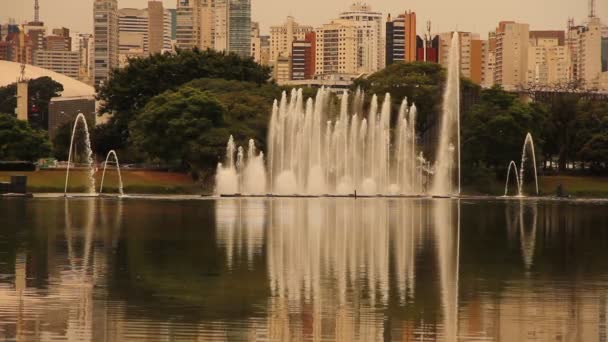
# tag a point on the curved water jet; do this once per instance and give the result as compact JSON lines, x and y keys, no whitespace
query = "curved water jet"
{"x":103,"y":175}
{"x":512,"y":166}
{"x":529,"y":142}
{"x":89,"y":154}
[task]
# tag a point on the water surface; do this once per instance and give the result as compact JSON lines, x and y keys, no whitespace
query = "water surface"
{"x":302,"y":269}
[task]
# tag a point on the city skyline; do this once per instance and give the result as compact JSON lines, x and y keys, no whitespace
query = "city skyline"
{"x":445,"y":16}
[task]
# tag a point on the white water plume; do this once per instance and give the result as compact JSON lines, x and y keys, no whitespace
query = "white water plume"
{"x":246,"y":174}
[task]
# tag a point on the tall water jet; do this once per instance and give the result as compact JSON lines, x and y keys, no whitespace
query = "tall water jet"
{"x":103,"y":175}
{"x":444,"y":178}
{"x":89,"y":155}
{"x":512,"y":166}
{"x":528,"y":143}
{"x":245,"y":174}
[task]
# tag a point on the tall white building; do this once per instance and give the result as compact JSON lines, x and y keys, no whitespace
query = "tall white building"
{"x":337,"y":48}
{"x":547,"y":58}
{"x":585,"y":46}
{"x":512,"y":42}
{"x":105,"y":19}
{"x":370,"y":36}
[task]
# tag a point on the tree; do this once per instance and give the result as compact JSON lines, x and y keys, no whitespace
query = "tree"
{"x":61,"y":141}
{"x":183,"y":126}
{"x":595,"y":151}
{"x":41,"y":91}
{"x":129,"y":89}
{"x":493,"y":131}
{"x":19,"y":141}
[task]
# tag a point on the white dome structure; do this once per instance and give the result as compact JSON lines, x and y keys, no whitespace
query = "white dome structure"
{"x":10,"y":72}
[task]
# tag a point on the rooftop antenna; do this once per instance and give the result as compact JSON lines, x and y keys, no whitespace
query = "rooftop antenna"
{"x":36,"y":11}
{"x":591,"y":8}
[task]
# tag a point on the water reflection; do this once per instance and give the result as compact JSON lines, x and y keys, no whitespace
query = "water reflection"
{"x":303,"y":269}
{"x":336,"y":262}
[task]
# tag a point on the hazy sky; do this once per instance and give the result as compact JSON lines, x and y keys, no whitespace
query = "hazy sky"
{"x":478,"y":16}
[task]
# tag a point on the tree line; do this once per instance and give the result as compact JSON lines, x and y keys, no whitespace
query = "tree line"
{"x":179,"y":109}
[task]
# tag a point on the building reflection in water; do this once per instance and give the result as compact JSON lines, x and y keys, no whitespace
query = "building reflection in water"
{"x":64,"y":308}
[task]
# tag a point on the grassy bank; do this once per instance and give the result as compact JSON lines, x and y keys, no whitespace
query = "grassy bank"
{"x":575,"y":186}
{"x":148,"y":182}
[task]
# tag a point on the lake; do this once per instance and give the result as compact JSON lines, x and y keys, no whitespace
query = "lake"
{"x":100,"y":269}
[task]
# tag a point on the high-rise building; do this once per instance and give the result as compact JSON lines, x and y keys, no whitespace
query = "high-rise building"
{"x":106,"y":39}
{"x":283,"y":36}
{"x":173,"y":23}
{"x":427,"y":49}
{"x":547,"y":58}
{"x":265,"y":50}
{"x":337,"y":44}
{"x":207,"y":22}
{"x":511,"y":66}
{"x":188,"y":31}
{"x":60,"y":61}
{"x":303,"y":58}
{"x":84,"y":45}
{"x":239,"y":28}
{"x":401,"y":40}
{"x":585,"y":46}
{"x":256,"y":42}
{"x":232,"y":31}
{"x":143,"y":31}
{"x":133,"y":33}
{"x":370,"y":36}
{"x":156,"y":27}
{"x":470,"y":54}
{"x":488,"y":60}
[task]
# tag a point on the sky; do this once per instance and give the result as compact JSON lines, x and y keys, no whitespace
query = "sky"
{"x":480,"y":16}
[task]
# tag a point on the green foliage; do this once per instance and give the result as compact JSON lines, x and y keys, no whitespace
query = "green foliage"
{"x":18,"y":141}
{"x":61,"y":141}
{"x":422,"y":84}
{"x":182,"y":126}
{"x":493,"y":131}
{"x":248,"y":107}
{"x":129,"y":89}
{"x":40,"y":90}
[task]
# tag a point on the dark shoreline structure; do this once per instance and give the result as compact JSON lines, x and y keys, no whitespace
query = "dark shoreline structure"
{"x":17,"y":187}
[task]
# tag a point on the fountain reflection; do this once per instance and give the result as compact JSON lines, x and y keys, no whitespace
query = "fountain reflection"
{"x":338,"y":262}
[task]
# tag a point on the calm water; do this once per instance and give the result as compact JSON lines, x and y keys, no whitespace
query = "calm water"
{"x":305,"y":269}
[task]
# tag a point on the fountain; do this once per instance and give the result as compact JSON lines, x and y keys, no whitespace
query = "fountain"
{"x":245,"y":174}
{"x":528,"y":146}
{"x":89,"y":155}
{"x":529,"y":142}
{"x":103,"y":175}
{"x":512,"y":166}
{"x":314,"y":155}
{"x":449,"y":136}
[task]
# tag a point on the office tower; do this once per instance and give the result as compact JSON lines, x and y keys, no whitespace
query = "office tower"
{"x":511,"y":66}
{"x":233,"y":26}
{"x":303,"y":58}
{"x":156,"y":26}
{"x":427,"y":49}
{"x":547,"y":58}
{"x":173,"y":21}
{"x":370,"y":36}
{"x":337,"y":48}
{"x":282,"y":37}
{"x":106,"y":39}
{"x":401,"y":39}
